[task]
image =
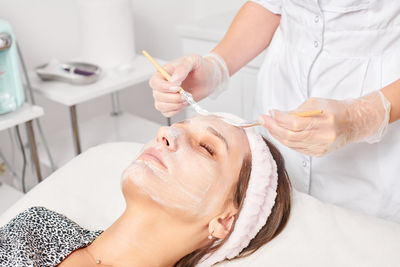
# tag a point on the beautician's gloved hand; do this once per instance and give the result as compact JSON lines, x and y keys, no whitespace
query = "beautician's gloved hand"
{"x":200,"y":76}
{"x":343,"y":122}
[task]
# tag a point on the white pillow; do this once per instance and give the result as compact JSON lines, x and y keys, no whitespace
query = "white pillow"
{"x":87,"y":190}
{"x":320,"y":234}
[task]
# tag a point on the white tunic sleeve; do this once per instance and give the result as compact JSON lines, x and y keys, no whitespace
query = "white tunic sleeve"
{"x":272,"y":5}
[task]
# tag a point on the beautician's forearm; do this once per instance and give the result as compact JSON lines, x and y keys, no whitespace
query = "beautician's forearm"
{"x":392,"y":93}
{"x":249,"y":34}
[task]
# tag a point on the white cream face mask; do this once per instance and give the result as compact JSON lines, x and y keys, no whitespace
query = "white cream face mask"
{"x":171,"y":187}
{"x":192,"y":179}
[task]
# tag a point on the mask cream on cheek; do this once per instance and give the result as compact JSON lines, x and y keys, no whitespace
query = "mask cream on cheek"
{"x":166,"y":192}
{"x":196,"y":176}
{"x":192,"y":188}
{"x":162,"y":189}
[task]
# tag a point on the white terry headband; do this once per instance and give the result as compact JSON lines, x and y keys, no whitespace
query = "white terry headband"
{"x":258,"y":201}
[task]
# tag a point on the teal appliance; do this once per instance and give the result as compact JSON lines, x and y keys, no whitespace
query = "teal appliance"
{"x":11,"y":87}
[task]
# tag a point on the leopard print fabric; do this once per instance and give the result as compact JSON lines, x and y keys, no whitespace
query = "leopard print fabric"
{"x":41,"y":237}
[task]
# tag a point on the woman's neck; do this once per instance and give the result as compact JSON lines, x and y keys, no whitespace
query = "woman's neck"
{"x":139,"y":238}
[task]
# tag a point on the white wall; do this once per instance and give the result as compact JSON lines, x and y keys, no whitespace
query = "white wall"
{"x":202,"y":8}
{"x":49,"y":29}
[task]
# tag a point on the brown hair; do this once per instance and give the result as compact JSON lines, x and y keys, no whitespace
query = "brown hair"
{"x":276,"y":221}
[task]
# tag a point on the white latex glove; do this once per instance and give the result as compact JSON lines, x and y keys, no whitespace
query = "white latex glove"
{"x":200,"y":76}
{"x":343,"y":122}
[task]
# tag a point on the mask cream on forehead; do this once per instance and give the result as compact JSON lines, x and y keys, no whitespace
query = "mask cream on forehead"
{"x":186,"y":182}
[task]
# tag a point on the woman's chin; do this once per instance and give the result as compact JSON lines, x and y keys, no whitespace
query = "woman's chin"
{"x":149,"y":198}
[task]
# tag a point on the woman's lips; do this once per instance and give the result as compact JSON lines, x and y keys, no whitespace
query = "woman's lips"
{"x":153,"y":155}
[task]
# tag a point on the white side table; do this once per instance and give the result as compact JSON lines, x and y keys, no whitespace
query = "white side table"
{"x":25,"y":114}
{"x":109,"y":83}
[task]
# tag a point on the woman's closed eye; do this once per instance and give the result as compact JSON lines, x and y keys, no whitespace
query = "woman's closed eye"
{"x":207,"y":148}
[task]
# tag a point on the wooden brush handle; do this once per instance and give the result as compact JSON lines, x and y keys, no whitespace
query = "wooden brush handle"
{"x":308,"y":113}
{"x":163,"y":72}
{"x":158,"y":67}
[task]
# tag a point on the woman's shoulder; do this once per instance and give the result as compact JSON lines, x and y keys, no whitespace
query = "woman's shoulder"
{"x":27,"y":219}
{"x":39,"y":220}
{"x":34,"y":212}
{"x":47,"y":235}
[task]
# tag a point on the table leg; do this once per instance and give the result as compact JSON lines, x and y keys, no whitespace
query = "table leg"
{"x":169,"y":121}
{"x":115,"y":104}
{"x":34,"y":150}
{"x":75,"y":130}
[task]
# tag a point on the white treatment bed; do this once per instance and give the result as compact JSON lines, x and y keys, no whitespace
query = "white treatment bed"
{"x":87,"y":190}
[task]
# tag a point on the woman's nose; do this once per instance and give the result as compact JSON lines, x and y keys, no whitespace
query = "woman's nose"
{"x":166,"y":138}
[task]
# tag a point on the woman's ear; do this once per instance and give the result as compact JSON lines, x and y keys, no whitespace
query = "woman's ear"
{"x":221,"y":226}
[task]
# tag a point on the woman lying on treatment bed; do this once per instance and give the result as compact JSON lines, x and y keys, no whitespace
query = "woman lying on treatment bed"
{"x":202,"y":191}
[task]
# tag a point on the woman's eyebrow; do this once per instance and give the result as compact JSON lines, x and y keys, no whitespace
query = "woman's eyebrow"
{"x":213,"y":131}
{"x":219,"y":135}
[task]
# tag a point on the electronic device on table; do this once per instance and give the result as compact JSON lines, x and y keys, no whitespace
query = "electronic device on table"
{"x":11,"y":87}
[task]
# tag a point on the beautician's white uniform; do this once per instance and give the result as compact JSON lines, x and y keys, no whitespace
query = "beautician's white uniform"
{"x":337,"y":49}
